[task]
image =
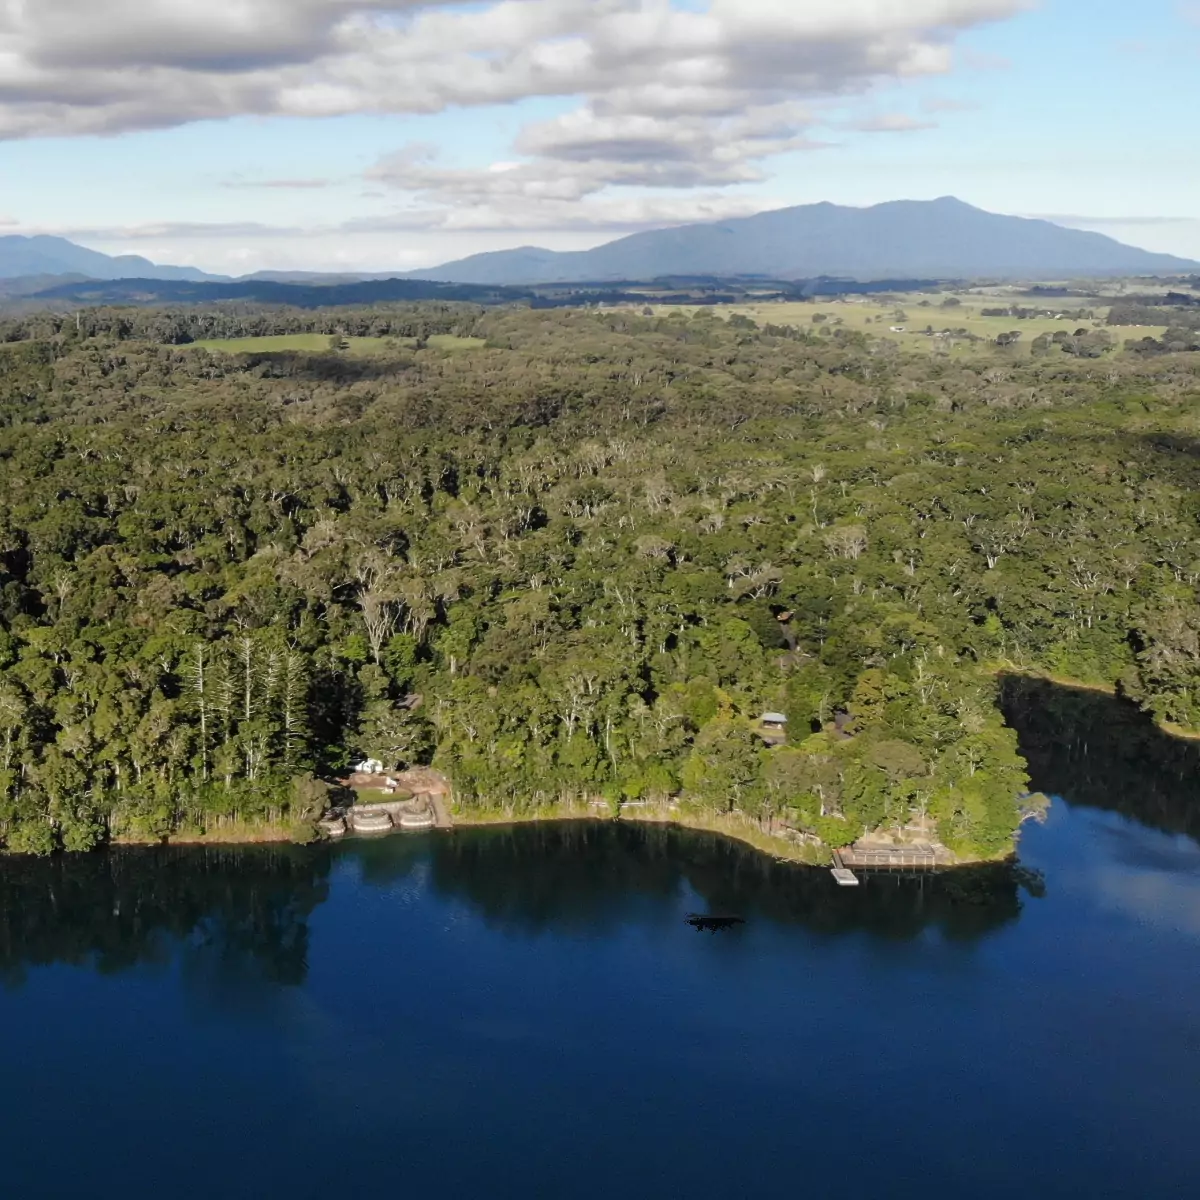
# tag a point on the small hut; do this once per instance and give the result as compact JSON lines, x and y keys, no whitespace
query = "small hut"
{"x":772,"y":728}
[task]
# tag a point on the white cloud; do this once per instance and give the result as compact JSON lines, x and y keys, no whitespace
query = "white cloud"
{"x":584,"y":165}
{"x":617,"y":213}
{"x":941,"y":104}
{"x":287,"y":185}
{"x":81,"y":66}
{"x":613,"y":213}
{"x":318,"y":250}
{"x":679,"y":99}
{"x":718,"y":146}
{"x":174,"y":230}
{"x":681,"y":104}
{"x":892,"y":123}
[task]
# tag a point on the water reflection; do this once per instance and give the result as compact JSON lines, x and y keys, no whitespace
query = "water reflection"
{"x":583,"y":876}
{"x":235,"y":917}
{"x":537,"y":988}
{"x":1101,"y":752}
{"x":242,"y":912}
{"x":239,"y":918}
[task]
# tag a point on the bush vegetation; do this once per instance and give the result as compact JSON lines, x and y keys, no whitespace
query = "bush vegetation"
{"x":575,"y":558}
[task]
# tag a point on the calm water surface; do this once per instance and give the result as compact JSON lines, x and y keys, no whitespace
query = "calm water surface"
{"x":525,"y":1012}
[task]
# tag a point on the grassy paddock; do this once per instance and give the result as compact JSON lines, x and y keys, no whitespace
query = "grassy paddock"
{"x":877,"y":319}
{"x":379,"y":796}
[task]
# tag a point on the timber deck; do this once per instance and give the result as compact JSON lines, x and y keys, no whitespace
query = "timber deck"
{"x":902,"y":858}
{"x":843,"y":877}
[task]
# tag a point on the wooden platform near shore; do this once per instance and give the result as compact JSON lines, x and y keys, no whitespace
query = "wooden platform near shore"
{"x":411,"y":800}
{"x":841,"y":875}
{"x":421,"y":802}
{"x":899,"y":858}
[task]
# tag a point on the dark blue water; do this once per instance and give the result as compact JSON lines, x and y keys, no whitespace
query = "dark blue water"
{"x":525,"y":1013}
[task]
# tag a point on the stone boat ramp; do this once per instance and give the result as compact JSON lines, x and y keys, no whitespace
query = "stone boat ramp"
{"x":410,"y":801}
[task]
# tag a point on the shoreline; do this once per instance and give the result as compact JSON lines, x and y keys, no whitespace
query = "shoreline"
{"x":300,"y":834}
{"x":736,"y":829}
{"x":733,"y":828}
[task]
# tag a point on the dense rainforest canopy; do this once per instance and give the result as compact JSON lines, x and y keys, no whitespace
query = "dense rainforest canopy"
{"x":578,"y":561}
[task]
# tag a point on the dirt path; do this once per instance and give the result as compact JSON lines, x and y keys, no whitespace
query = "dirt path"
{"x":441,"y":810}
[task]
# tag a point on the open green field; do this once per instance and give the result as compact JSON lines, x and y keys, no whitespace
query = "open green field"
{"x":309,"y":343}
{"x":379,"y":796}
{"x":903,"y":318}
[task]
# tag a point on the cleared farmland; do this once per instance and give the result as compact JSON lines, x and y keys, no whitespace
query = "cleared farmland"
{"x":905,"y":319}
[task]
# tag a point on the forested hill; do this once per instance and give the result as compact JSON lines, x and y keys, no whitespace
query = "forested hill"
{"x":48,"y":294}
{"x":147,"y":292}
{"x":579,"y":559}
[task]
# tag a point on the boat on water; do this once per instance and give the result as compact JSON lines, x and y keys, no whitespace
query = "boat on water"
{"x":712,"y":924}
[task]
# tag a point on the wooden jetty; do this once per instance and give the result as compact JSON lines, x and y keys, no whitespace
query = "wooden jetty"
{"x":844,"y":877}
{"x":898,"y":858}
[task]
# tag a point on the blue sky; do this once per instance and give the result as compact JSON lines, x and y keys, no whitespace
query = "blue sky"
{"x":367,"y":134}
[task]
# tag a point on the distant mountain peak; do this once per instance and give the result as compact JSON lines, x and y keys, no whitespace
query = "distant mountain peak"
{"x":946,"y":238}
{"x":45,"y":254}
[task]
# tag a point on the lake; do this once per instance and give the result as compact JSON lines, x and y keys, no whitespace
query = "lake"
{"x":525,"y":1012}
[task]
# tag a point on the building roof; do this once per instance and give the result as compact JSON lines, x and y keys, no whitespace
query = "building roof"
{"x":774,"y":718}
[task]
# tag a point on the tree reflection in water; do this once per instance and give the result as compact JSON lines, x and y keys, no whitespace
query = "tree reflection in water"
{"x":1097,"y":751}
{"x":587,"y":876}
{"x":240,"y":909}
{"x":242,"y":914}
{"x":234,"y":917}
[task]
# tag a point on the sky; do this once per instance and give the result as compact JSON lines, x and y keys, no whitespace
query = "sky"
{"x":379,"y":135}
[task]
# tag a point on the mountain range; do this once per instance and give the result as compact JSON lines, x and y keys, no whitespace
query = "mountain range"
{"x":44,"y":255}
{"x":940,"y":239}
{"x":935,"y":239}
